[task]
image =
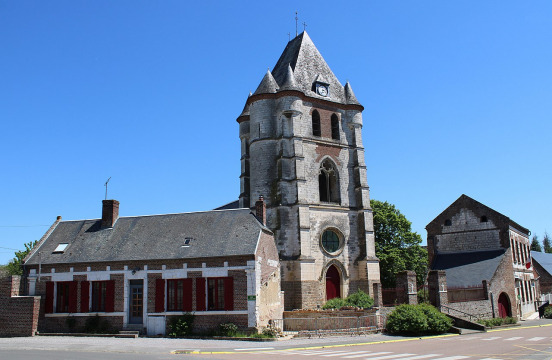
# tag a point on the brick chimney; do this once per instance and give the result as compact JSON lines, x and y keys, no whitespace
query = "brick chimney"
{"x":110,"y":213}
{"x":260,"y":210}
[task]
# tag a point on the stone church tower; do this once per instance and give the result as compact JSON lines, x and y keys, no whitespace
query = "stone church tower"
{"x":301,"y":149}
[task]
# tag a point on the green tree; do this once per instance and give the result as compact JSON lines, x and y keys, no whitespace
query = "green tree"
{"x":546,"y":244}
{"x":535,"y":244}
{"x":14,"y":266}
{"x":397,"y":246}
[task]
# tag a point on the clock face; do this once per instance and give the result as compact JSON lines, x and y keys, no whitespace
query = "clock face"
{"x":322,"y":90}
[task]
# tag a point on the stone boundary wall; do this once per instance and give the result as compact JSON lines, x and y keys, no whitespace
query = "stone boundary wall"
{"x":18,"y":314}
{"x":480,"y":308}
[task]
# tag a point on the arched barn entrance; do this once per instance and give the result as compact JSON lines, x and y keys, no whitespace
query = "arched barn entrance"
{"x":333,"y":283}
{"x":504,"y":308}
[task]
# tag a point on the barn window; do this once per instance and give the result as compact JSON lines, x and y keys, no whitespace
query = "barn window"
{"x":448,"y":222}
{"x":335,"y":127}
{"x":484,"y":218}
{"x":316,"y":124}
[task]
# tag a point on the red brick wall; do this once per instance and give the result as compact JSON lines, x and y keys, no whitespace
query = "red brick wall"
{"x":18,"y":315}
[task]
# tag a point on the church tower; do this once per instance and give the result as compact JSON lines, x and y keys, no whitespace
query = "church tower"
{"x":301,"y":149}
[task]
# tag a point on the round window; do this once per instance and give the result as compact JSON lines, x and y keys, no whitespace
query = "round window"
{"x":330,"y":241}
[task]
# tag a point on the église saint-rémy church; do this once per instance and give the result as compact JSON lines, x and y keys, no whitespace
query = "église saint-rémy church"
{"x":302,"y":227}
{"x":301,"y":150}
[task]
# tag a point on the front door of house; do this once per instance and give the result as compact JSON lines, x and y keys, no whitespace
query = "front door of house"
{"x":136,"y":302}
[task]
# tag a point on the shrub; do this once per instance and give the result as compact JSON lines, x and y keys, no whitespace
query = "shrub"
{"x":71,"y":322}
{"x":228,"y":329}
{"x":181,"y":325}
{"x":437,"y":322}
{"x":360,"y":299}
{"x":423,"y":296}
{"x":492,"y":322}
{"x":548,"y":312}
{"x":335,"y":303}
{"x":408,"y":320}
{"x":97,"y":325}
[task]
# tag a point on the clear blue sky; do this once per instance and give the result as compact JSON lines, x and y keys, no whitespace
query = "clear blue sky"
{"x":457,"y":98}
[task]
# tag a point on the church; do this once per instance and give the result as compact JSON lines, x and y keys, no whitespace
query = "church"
{"x":301,"y":149}
{"x":300,"y":234}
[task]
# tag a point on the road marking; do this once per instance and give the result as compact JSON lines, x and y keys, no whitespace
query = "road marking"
{"x":491,"y":359}
{"x":420,"y":357}
{"x":514,"y":338}
{"x":536,"y":339}
{"x":349,"y":353}
{"x":469,"y":338}
{"x":453,"y":358}
{"x":389,"y":356}
{"x":321,"y":352}
{"x":254,"y":349}
{"x":372,"y":354}
{"x":492,"y":338}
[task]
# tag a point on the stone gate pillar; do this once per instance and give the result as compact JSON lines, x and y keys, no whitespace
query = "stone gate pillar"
{"x":406,"y":288}
{"x":437,"y":287}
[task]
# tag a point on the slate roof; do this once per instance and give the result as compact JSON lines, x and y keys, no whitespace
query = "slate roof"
{"x":544,"y":260}
{"x":308,"y":66}
{"x":155,"y":237}
{"x":468,"y":269}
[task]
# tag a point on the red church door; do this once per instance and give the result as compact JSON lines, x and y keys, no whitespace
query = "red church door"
{"x":504,"y":306}
{"x":333,"y":283}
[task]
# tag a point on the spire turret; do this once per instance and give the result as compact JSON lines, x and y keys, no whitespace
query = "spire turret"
{"x":350,"y":95}
{"x":289,"y":81}
{"x":268,"y":85}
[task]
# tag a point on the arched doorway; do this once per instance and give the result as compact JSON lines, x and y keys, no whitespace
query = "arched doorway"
{"x":333,"y":283}
{"x":504,"y":309}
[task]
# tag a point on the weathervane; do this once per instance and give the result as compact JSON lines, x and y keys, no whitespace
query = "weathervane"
{"x":106,"y":187}
{"x":304,"y":26}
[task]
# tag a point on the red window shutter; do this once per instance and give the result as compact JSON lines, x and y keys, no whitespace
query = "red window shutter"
{"x":159,"y":295}
{"x":228,"y":293}
{"x":110,"y":296}
{"x":187,"y":296}
{"x":85,"y":296}
{"x":49,"y":297}
{"x":200,"y":294}
{"x":73,"y":296}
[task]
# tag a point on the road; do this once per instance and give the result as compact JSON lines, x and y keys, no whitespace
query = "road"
{"x":506,"y":344}
{"x":532,"y":340}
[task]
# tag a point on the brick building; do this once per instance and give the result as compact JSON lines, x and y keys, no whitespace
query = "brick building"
{"x":479,"y":247}
{"x":138,"y":272}
{"x":542,"y":263}
{"x":301,"y":148}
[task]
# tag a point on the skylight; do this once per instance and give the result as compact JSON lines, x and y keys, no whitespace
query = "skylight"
{"x":187,"y":242}
{"x":61,"y":248}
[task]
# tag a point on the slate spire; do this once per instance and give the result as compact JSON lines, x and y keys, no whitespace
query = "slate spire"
{"x":268,"y":85}
{"x":289,"y":81}
{"x":350,"y":95}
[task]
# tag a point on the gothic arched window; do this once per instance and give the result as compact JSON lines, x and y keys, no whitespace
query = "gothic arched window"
{"x":328,"y":183}
{"x":335,"y":127}
{"x":316,"y":123}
